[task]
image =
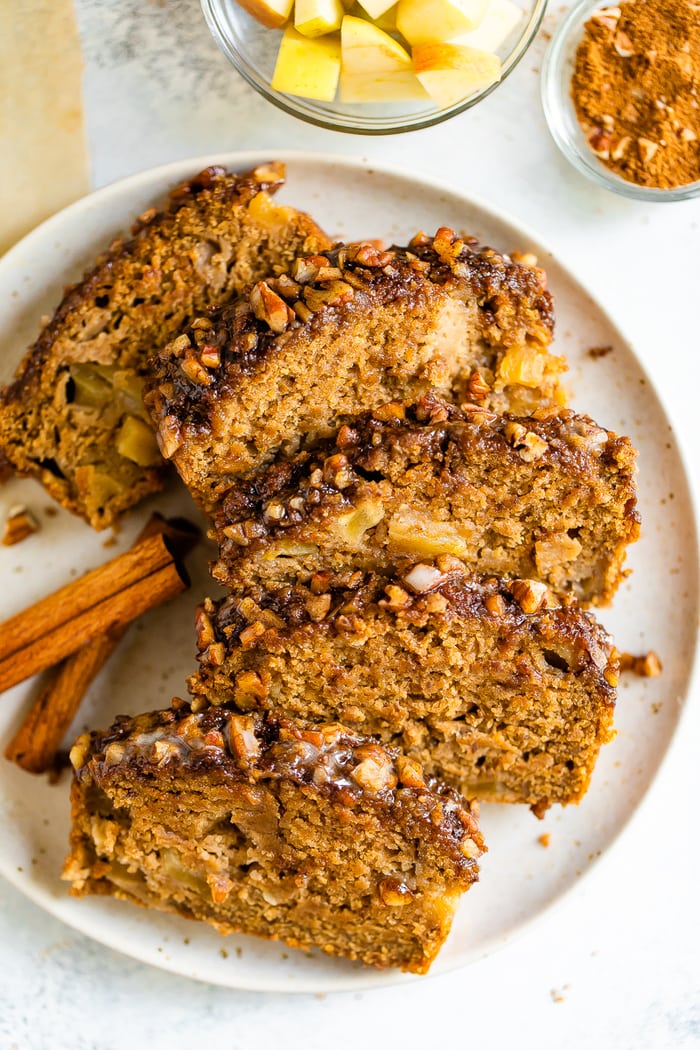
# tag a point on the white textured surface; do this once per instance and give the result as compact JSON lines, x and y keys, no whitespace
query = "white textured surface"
{"x":617,"y":964}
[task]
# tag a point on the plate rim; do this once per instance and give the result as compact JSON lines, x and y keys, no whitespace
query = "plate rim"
{"x":366,"y":979}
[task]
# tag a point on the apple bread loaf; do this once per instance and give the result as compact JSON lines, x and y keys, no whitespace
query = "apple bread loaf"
{"x":74,"y":415}
{"x":551,"y":499}
{"x":342,"y":332}
{"x":315,"y":836}
{"x":490,"y":685}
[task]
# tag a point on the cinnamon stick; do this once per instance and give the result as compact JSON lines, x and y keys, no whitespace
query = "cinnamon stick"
{"x":38,"y":738}
{"x":36,"y":742}
{"x":117,"y":609}
{"x":96,"y":586}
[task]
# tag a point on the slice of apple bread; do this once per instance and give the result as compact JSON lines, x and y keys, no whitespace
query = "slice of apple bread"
{"x":313,"y":835}
{"x":74,"y":415}
{"x":552,"y":499}
{"x":490,"y":684}
{"x":345,"y":331}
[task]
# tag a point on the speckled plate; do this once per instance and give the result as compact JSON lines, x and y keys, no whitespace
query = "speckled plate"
{"x":520,"y":878}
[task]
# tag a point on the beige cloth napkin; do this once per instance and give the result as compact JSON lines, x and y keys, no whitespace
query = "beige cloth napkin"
{"x":43,"y":155}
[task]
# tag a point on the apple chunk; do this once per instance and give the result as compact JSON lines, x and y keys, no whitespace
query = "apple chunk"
{"x":451,"y":72}
{"x":307,"y":67}
{"x":376,"y":8}
{"x":367,"y":49}
{"x":317,"y":17}
{"x":271,"y":13}
{"x":400,"y":86}
{"x":387,"y":20}
{"x":501,"y":18}
{"x":435,"y":21}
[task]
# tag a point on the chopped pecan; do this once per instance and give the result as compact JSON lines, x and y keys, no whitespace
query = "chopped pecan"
{"x":249,"y":635}
{"x":318,"y":606}
{"x":195,"y":371}
{"x":376,"y":770}
{"x":270,"y":174}
{"x":210,"y":356}
{"x":243,"y":740}
{"x":495,"y":605}
{"x":390,"y":411}
{"x":367,"y":254}
{"x":447,"y":244}
{"x":477,"y":387}
{"x":270,"y":308}
{"x":333,"y":294}
{"x":422,"y":578}
{"x":253,"y":683}
{"x":20,"y":524}
{"x":204,"y":629}
{"x":302,"y":311}
{"x":410,"y":772}
{"x":169,"y":436}
{"x":347,"y":437}
{"x":396,"y":597}
{"x":329,"y":273}
{"x":530,"y":595}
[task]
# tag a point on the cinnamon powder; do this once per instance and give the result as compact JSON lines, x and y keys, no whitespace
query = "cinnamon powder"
{"x":636,"y":90}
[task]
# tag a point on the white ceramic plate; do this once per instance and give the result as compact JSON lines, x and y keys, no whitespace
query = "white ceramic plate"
{"x":656,"y":606}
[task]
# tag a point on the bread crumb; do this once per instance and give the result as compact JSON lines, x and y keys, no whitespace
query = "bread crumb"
{"x":557,"y":994}
{"x":648,"y":665}
{"x":19,"y":524}
{"x":544,"y":840}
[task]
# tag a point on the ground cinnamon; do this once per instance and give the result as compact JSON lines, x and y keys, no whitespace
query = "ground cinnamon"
{"x":636,"y":90}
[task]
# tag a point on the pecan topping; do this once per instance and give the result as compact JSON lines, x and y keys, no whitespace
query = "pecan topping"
{"x":169,"y":436}
{"x":270,"y":308}
{"x":530,"y":595}
{"x":20,"y":524}
{"x":368,"y":254}
{"x":478,"y":387}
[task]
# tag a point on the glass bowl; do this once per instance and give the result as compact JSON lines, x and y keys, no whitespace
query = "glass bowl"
{"x":557,"y":71}
{"x":252,"y":49}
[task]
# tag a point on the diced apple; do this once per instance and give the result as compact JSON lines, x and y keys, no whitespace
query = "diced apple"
{"x":387,"y":20}
{"x":317,"y":17}
{"x":451,"y":72}
{"x":436,"y":21}
{"x":367,"y":49}
{"x":401,"y":86}
{"x":375,"y":8}
{"x":306,"y":67}
{"x":272,"y":13}
{"x":501,"y":18}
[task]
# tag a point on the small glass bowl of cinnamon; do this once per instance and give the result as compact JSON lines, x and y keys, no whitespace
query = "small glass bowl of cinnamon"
{"x":618,"y":92}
